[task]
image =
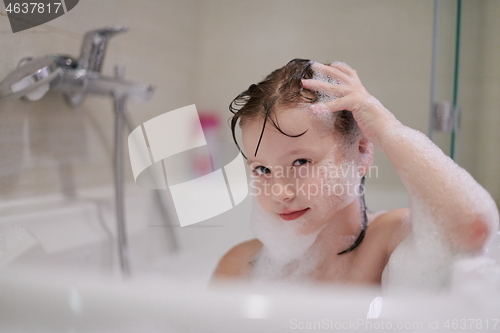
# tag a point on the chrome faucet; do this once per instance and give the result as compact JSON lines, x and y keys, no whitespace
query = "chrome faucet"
{"x":31,"y":79}
{"x":94,"y":47}
{"x":74,"y":78}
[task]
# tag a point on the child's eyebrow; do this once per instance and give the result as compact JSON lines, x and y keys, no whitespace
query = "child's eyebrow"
{"x":297,"y":151}
{"x":290,"y":153}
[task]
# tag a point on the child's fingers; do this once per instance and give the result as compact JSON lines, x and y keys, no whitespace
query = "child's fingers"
{"x":332,"y":71}
{"x":332,"y":89}
{"x":346,"y":69}
{"x":333,"y":106}
{"x":340,"y":104}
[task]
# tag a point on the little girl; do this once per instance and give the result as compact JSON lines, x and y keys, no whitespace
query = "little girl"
{"x":308,"y":132}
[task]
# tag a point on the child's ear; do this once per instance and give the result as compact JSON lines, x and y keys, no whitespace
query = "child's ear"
{"x":365,"y":148}
{"x":364,"y":145}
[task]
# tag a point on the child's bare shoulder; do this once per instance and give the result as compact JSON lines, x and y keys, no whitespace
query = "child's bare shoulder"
{"x":236,"y":262}
{"x":390,"y":228}
{"x":390,"y":219}
{"x":385,"y":232}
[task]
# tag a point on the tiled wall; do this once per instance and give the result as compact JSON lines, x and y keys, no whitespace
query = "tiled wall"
{"x":47,"y":146}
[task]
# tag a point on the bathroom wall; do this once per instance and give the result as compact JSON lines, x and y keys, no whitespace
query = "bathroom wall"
{"x":48,"y":147}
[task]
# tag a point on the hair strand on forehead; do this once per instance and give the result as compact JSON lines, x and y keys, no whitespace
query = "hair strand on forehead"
{"x":280,"y":89}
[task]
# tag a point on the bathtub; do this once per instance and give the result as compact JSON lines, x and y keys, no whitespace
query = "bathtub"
{"x":60,"y":273}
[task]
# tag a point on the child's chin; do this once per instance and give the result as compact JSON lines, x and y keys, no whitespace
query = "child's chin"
{"x":310,"y":228}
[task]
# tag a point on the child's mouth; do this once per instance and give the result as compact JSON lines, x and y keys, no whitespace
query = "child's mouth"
{"x":294,"y":215}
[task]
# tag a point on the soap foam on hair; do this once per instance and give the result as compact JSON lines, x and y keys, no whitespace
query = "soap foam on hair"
{"x":323,"y":77}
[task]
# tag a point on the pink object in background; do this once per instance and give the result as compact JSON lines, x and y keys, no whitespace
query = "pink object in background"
{"x":203,"y":162}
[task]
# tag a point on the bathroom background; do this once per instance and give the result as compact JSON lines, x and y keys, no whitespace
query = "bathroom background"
{"x":207,"y":52}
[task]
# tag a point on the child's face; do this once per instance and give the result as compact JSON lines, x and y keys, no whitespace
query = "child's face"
{"x":313,"y":175}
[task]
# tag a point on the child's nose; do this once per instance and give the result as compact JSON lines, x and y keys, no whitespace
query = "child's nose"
{"x":283,"y":190}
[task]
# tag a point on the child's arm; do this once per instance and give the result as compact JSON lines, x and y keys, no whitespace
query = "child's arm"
{"x":236,"y":263}
{"x":440,"y":191}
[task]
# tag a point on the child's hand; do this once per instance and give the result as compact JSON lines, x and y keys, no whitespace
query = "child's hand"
{"x":372,"y":117}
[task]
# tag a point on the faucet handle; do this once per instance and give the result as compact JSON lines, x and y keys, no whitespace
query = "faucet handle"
{"x":94,"y":47}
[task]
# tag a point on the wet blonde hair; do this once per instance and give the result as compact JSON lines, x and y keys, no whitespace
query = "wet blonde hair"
{"x":283,"y":89}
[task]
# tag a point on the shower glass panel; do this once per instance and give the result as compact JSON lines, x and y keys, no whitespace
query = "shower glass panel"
{"x":470,"y":85}
{"x":445,"y":57}
{"x":467,"y":77}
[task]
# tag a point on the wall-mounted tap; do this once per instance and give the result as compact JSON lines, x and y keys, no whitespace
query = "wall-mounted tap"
{"x":85,"y":78}
{"x":31,"y":79}
{"x":74,"y":78}
{"x":94,"y":47}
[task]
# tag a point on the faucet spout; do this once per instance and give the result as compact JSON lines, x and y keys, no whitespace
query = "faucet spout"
{"x":31,"y":78}
{"x":94,"y":47}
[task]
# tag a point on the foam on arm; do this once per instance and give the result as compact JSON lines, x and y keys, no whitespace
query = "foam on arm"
{"x":442,"y":194}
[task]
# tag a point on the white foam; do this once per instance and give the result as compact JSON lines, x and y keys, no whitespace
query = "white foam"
{"x":342,"y":175}
{"x":444,"y":194}
{"x":284,"y":256}
{"x":476,"y":276}
{"x":323,"y":77}
{"x":340,"y":63}
{"x":282,"y":239}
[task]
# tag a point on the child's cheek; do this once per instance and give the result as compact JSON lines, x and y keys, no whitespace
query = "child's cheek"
{"x":264,"y":197}
{"x":258,"y":188}
{"x":333,"y":187}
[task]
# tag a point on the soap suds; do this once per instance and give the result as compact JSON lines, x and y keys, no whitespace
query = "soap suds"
{"x":445,"y":194}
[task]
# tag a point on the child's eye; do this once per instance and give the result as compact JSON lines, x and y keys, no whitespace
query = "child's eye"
{"x":261,"y":170}
{"x":300,"y":161}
